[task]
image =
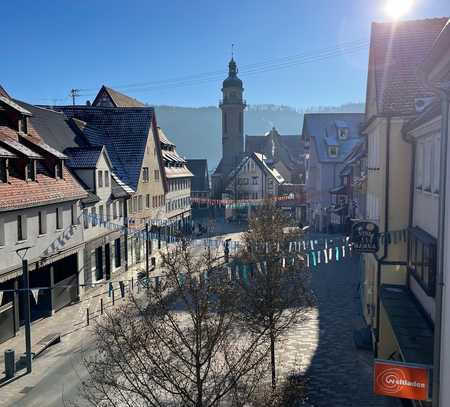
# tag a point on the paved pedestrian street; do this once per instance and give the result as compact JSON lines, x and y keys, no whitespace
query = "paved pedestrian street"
{"x":322,"y":349}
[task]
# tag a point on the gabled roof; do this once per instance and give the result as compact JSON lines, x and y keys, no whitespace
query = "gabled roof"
{"x":396,"y":50}
{"x":13,"y":105}
{"x":123,"y":130}
{"x":199,"y":168}
{"x":6,"y":153}
{"x":117,"y":99}
{"x":17,"y":148}
{"x":321,"y":128}
{"x":3,"y":92}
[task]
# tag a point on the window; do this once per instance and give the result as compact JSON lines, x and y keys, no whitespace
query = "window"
{"x":117,"y":259}
{"x":422,"y":261}
{"x":74,"y":214}
{"x":145,"y":174}
{"x":42,"y":221}
{"x":100,"y":179}
{"x":106,"y":178}
{"x":3,"y":173}
{"x":419,"y":165}
{"x":427,"y":167}
{"x":115,"y":209}
{"x":140,"y":203}
{"x":23,"y":125}
{"x":30,"y":170}
{"x":21,"y":227}
{"x":108,"y":212}
{"x":156,"y":175}
{"x":333,"y":151}
{"x":436,"y":163}
{"x":59,"y":169}
{"x":255,"y":180}
{"x":342,"y":133}
{"x":93,"y":216}
{"x":85,"y":218}
{"x":243,"y":181}
{"x":99,"y":263}
{"x":101,"y":213}
{"x":134,"y":204}
{"x":59,"y":218}
{"x":121,"y":206}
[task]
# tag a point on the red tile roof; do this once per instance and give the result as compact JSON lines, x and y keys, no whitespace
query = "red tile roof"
{"x":18,"y":193}
{"x":397,"y":49}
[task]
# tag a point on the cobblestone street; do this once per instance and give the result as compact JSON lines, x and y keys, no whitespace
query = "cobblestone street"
{"x":339,"y":375}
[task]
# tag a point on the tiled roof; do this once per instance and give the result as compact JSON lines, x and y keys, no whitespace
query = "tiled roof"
{"x":41,"y":146}
{"x":18,"y":193}
{"x":124,"y":132}
{"x":13,"y":145}
{"x":3,"y":92}
{"x":177,"y":172}
{"x":6,"y":153}
{"x":397,"y":49}
{"x":117,"y":98}
{"x":83,"y":157}
{"x":321,"y":127}
{"x":199,"y":168}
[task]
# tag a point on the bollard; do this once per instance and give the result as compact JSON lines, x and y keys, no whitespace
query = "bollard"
{"x":101,"y":306}
{"x":132,"y":284}
{"x":87,"y":316}
{"x":10,"y":363}
{"x":112,"y":293}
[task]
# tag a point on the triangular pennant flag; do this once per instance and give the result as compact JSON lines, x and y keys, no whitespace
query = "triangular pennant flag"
{"x":35,"y":292}
{"x":330,"y":253}
{"x":337,"y":253}
{"x":314,"y":259}
{"x":318,"y":257}
{"x":283,"y":263}
{"x":325,"y":252}
{"x":326,"y":243}
{"x":307,"y":260}
{"x":343,"y":251}
{"x":312,"y":244}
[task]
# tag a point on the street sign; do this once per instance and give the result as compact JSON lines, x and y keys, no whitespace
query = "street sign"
{"x":401,"y":380}
{"x":365,"y":237}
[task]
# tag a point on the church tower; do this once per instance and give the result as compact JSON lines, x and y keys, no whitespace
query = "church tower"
{"x":232,"y":106}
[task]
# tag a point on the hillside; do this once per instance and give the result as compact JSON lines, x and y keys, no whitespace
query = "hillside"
{"x":197,"y":131}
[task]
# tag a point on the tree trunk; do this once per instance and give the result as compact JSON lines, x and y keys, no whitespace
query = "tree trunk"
{"x":272,"y":358}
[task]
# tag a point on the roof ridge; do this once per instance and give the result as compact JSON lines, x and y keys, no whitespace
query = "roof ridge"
{"x":419,"y":20}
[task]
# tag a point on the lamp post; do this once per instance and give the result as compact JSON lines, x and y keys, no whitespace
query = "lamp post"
{"x":26,"y":282}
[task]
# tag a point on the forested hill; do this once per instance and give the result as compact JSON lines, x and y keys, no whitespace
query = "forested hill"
{"x":197,"y":131}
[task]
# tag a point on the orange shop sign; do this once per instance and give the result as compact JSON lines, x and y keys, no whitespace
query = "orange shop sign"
{"x":401,"y":380}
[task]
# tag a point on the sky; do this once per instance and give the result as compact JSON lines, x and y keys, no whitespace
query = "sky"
{"x":298,"y":53}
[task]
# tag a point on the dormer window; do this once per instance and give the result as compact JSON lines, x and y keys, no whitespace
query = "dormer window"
{"x":30,"y":170}
{"x":343,"y":133}
{"x":333,"y":151}
{"x":23,"y":125}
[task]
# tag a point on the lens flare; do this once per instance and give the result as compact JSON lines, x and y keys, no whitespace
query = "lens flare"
{"x":398,"y":8}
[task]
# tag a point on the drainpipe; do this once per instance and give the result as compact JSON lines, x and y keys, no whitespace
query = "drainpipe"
{"x":440,"y":246}
{"x":386,"y":228}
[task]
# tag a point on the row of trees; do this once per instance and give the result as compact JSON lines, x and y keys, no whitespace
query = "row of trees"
{"x":201,"y":338}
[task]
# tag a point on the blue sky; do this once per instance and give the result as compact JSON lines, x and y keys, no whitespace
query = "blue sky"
{"x":49,"y":47}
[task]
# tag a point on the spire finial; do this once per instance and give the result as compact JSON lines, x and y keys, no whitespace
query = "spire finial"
{"x":232,"y":51}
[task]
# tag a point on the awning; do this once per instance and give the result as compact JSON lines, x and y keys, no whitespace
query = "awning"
{"x":413,"y":331}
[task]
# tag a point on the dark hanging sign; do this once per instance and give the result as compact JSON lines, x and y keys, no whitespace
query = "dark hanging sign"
{"x":365,"y":237}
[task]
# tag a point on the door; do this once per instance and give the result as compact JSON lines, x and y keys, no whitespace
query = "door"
{"x":108,"y":261}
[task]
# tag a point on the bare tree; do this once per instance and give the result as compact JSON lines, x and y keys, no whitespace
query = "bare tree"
{"x":276,"y":294}
{"x":178,"y":344}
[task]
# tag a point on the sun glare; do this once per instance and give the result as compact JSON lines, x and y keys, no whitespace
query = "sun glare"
{"x":398,"y":8}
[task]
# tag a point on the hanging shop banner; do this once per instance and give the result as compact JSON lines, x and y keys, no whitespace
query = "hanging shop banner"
{"x":365,"y":237}
{"x":401,"y":380}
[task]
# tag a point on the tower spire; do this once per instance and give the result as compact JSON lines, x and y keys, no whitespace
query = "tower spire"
{"x":232,"y":51}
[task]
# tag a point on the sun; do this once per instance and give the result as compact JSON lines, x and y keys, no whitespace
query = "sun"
{"x":398,"y":8}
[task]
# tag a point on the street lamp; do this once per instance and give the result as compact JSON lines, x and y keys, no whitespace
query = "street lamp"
{"x":22,"y":252}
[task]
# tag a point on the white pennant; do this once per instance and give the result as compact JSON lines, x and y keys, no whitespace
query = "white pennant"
{"x":35,"y":293}
{"x":325,"y":252}
{"x":343,"y":251}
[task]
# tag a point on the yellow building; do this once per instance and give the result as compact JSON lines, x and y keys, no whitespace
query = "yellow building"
{"x":394,"y":96}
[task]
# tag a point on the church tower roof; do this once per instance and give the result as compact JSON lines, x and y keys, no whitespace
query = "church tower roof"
{"x":232,"y":80}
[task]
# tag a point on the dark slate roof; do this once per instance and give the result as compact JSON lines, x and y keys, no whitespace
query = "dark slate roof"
{"x":53,"y":127}
{"x":123,"y":130}
{"x":199,"y":167}
{"x":397,"y":50}
{"x":321,"y":127}
{"x":118,"y":99}
{"x":83,"y":157}
{"x":277,"y":147}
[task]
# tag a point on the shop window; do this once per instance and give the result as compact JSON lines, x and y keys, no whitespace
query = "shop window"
{"x":422,"y":261}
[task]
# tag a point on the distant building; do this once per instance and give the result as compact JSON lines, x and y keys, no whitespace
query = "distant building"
{"x":253,"y":179}
{"x":283,"y":152}
{"x":200,"y":187}
{"x":328,"y":138}
{"x":232,"y":106}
